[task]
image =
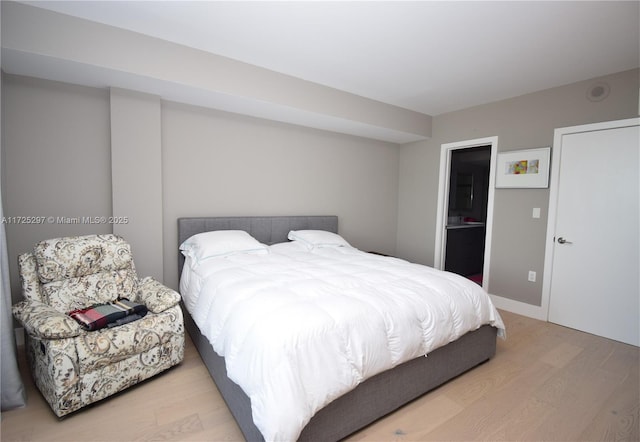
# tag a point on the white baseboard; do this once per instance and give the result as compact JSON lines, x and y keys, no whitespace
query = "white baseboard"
{"x":520,"y":308}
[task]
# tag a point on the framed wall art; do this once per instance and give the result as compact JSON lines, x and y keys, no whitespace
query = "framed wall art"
{"x":527,"y":168}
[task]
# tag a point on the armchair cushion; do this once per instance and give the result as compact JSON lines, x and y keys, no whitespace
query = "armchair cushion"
{"x":29,"y":277}
{"x":78,"y":272}
{"x":100,"y":348}
{"x":74,"y":257}
{"x":155,"y":296}
{"x":99,"y":288}
{"x":45,"y":322}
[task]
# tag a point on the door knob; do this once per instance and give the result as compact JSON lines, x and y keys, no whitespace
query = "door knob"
{"x":561,"y":240}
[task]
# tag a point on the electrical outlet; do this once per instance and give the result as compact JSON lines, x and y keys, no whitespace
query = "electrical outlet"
{"x":532,"y":276}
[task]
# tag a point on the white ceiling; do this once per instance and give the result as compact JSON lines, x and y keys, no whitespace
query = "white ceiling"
{"x":431,"y":57}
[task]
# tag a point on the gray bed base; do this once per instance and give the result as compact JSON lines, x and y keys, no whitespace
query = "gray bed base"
{"x":372,"y":399}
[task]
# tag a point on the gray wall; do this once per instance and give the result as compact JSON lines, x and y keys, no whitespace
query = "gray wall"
{"x":136,"y":170}
{"x":520,"y":123}
{"x":56,"y":161}
{"x":216,"y":163}
{"x":60,"y":146}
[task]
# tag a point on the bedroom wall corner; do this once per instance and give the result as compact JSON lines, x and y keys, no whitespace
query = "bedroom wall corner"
{"x":136,"y":175}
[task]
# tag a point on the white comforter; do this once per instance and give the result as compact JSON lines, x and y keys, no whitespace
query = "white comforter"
{"x":298,"y":329}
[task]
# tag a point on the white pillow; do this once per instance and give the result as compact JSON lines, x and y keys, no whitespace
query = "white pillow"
{"x":221,"y":242}
{"x":318,"y":238}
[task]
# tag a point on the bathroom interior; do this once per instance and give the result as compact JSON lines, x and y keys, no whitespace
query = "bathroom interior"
{"x":467,"y":211}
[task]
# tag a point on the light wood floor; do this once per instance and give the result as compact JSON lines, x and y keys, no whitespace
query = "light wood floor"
{"x":546,"y":383}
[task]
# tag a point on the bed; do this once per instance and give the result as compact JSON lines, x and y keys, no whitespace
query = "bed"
{"x":370,"y":397}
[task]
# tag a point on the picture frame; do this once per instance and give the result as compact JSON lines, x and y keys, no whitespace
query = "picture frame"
{"x":525,"y":168}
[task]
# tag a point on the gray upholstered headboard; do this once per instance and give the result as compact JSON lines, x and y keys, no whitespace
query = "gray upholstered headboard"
{"x":266,"y":229}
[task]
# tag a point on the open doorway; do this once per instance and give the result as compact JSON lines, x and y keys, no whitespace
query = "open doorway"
{"x":467,"y":211}
{"x":465,"y":208}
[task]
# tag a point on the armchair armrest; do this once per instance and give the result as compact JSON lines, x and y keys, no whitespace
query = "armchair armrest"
{"x":156,"y":296}
{"x":43,"y":321}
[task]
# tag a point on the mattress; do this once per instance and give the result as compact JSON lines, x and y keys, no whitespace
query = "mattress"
{"x":299,"y":327}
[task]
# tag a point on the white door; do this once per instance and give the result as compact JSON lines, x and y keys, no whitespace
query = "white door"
{"x":594,"y":283}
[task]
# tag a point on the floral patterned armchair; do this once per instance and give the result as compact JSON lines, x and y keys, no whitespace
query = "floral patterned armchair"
{"x":71,"y":366}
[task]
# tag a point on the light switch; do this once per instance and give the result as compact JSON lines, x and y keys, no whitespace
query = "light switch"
{"x":536,"y":212}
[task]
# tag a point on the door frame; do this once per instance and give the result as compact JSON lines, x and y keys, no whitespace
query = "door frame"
{"x":443,"y":202}
{"x":553,"y":196}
